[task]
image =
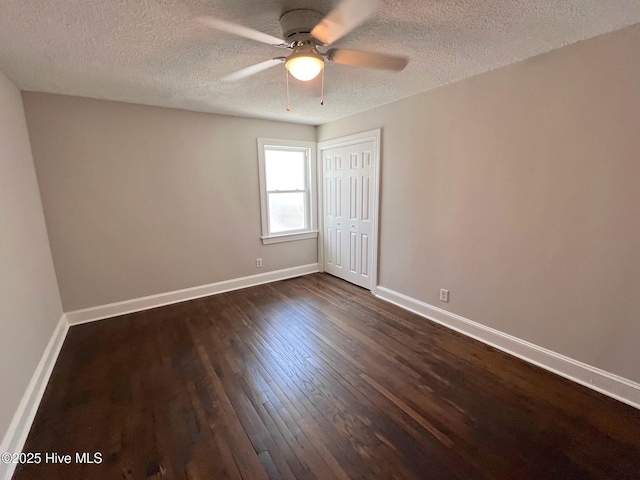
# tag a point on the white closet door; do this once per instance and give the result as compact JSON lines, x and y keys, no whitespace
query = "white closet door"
{"x":348,"y":212}
{"x":334,"y":212}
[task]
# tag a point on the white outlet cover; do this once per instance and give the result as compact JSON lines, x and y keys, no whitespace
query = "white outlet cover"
{"x":444,"y":295}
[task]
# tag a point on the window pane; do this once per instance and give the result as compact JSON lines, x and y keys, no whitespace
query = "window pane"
{"x":284,"y":169}
{"x":286,"y":212}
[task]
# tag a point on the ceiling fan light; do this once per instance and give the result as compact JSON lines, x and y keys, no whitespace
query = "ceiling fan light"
{"x":305,"y":67}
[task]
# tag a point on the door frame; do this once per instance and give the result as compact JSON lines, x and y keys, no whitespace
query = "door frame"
{"x":368,"y":136}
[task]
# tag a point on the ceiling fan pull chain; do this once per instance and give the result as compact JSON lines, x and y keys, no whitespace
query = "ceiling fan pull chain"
{"x":288,"y":101}
{"x":322,"y":92}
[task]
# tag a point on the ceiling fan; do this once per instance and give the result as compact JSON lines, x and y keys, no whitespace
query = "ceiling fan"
{"x":304,"y":31}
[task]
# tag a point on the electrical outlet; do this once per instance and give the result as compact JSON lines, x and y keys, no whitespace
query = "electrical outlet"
{"x":444,"y":295}
{"x":258,"y":263}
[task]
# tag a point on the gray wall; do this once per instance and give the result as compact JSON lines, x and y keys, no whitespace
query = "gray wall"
{"x":28,"y":291}
{"x":142,"y":200}
{"x":519,"y":191}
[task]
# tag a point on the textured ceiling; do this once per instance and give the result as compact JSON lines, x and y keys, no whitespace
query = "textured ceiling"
{"x":153,"y":52}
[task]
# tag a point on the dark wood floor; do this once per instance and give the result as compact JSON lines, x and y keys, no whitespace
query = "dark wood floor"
{"x":315,"y":378}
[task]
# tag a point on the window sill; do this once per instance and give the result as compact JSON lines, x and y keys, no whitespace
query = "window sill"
{"x":289,"y":237}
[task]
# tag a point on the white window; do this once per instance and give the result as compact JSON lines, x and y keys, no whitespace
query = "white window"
{"x":287,"y":190}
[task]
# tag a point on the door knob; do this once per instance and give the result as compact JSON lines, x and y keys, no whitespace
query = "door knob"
{"x":353,"y":226}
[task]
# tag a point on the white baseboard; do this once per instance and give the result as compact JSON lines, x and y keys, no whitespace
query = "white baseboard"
{"x":604,"y":382}
{"x":16,"y":435}
{"x":144,"y":303}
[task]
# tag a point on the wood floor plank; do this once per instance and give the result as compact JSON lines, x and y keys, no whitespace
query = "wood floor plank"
{"x":314,"y":378}
{"x":442,"y":438}
{"x":380,"y":424}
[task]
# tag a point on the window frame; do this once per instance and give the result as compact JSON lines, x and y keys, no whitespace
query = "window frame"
{"x":311,"y":227}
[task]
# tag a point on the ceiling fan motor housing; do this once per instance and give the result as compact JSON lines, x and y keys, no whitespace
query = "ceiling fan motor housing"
{"x":297,"y":24}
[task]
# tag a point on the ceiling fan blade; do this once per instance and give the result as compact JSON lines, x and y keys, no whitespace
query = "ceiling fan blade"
{"x":348,"y":15}
{"x":240,"y":30}
{"x":252,"y":70}
{"x":359,"y":58}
